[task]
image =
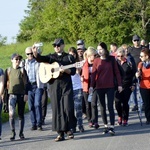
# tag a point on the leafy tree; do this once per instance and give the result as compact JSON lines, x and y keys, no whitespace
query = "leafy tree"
{"x":3,"y":40}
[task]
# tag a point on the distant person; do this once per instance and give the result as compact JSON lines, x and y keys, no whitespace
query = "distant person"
{"x":16,"y":82}
{"x":113,"y":49}
{"x":35,"y":90}
{"x":1,"y":99}
{"x":127,"y":71}
{"x":89,"y":56}
{"x":102,"y":81}
{"x":77,"y":91}
{"x":135,"y":52}
{"x":61,"y":90}
{"x":143,"y":75}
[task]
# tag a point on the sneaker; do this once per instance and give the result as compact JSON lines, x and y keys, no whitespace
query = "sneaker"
{"x":119,"y":121}
{"x":21,"y":135}
{"x":96,"y":125}
{"x":91,"y":124}
{"x":39,"y":128}
{"x":13,"y":134}
{"x":84,"y":116}
{"x":81,"y":129}
{"x":112,"y":131}
{"x":70,"y":135}
{"x":106,"y":130}
{"x":135,"y":108}
{"x":59,"y":138}
{"x":34,"y":128}
{"x":125,"y":123}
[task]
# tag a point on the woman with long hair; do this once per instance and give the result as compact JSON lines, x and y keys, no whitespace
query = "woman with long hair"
{"x":102,"y":80}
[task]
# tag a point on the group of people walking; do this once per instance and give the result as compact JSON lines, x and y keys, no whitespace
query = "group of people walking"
{"x":95,"y":75}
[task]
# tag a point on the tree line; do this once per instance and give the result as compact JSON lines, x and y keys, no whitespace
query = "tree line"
{"x":91,"y":20}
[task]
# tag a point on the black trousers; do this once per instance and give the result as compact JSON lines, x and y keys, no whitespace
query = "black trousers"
{"x":145,"y":93}
{"x":121,"y":103}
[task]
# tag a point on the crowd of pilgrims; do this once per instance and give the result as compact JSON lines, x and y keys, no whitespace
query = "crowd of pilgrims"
{"x":102,"y":78}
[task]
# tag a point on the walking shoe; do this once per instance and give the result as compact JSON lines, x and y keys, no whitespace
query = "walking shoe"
{"x":70,"y":135}
{"x":13,"y":134}
{"x":34,"y":128}
{"x":91,"y":124}
{"x":125,"y":123}
{"x":135,"y":108}
{"x":81,"y":129}
{"x":21,"y":135}
{"x":39,"y":128}
{"x":112,"y":131}
{"x":59,"y":138}
{"x":119,"y":121}
{"x":96,"y":125}
{"x":106,"y":130}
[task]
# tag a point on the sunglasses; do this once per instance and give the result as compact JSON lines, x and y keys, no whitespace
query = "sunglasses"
{"x":58,"y":45}
{"x":136,"y":40}
{"x":141,"y":56}
{"x":17,"y":59}
{"x":120,"y":56}
{"x":29,"y":53}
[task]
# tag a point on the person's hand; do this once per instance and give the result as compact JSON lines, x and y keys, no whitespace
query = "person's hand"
{"x":132,"y":88}
{"x":25,"y":98}
{"x":61,"y":69}
{"x":138,"y":74}
{"x":120,"y":89}
{"x":34,"y":50}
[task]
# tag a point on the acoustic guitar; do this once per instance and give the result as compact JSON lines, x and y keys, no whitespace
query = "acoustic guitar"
{"x":48,"y":71}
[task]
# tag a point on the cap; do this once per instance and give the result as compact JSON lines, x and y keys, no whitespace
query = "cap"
{"x":135,"y":37}
{"x":58,"y":41}
{"x":15,"y":55}
{"x":80,"y":47}
{"x":80,"y":42}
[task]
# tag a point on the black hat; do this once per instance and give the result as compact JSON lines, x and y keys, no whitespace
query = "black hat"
{"x":58,"y":41}
{"x":135,"y":37}
{"x":80,"y":42}
{"x":15,"y":55}
{"x":80,"y":47}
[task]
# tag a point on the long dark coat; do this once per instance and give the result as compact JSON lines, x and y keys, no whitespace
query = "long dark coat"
{"x":61,"y":93}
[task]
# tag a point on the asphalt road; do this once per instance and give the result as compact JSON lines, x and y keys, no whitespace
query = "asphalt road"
{"x":132,"y":137}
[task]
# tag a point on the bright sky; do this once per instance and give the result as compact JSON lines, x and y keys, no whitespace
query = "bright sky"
{"x":11,"y":13}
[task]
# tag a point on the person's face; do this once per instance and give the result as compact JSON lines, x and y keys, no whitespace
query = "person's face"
{"x":143,"y":57}
{"x":113,"y":48}
{"x":100,"y":50}
{"x":16,"y":61}
{"x":120,"y":56}
{"x":58,"y":48}
{"x":91,"y":59}
{"x":74,"y":55}
{"x":29,"y":54}
{"x":136,"y":42}
{"x":80,"y":52}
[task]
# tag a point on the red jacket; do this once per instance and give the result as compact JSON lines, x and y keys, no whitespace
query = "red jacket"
{"x":85,"y":77}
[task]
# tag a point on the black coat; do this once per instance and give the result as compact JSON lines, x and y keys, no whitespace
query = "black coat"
{"x":61,"y":93}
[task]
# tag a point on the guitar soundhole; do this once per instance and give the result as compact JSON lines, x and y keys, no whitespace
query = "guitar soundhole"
{"x":52,"y":70}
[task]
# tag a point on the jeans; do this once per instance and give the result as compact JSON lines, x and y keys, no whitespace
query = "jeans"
{"x":13,"y":100}
{"x":110,"y":101}
{"x":77,"y":96}
{"x":1,"y":104}
{"x":35,"y":105}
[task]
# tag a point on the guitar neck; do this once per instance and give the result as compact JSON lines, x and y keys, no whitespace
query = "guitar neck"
{"x":68,"y":66}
